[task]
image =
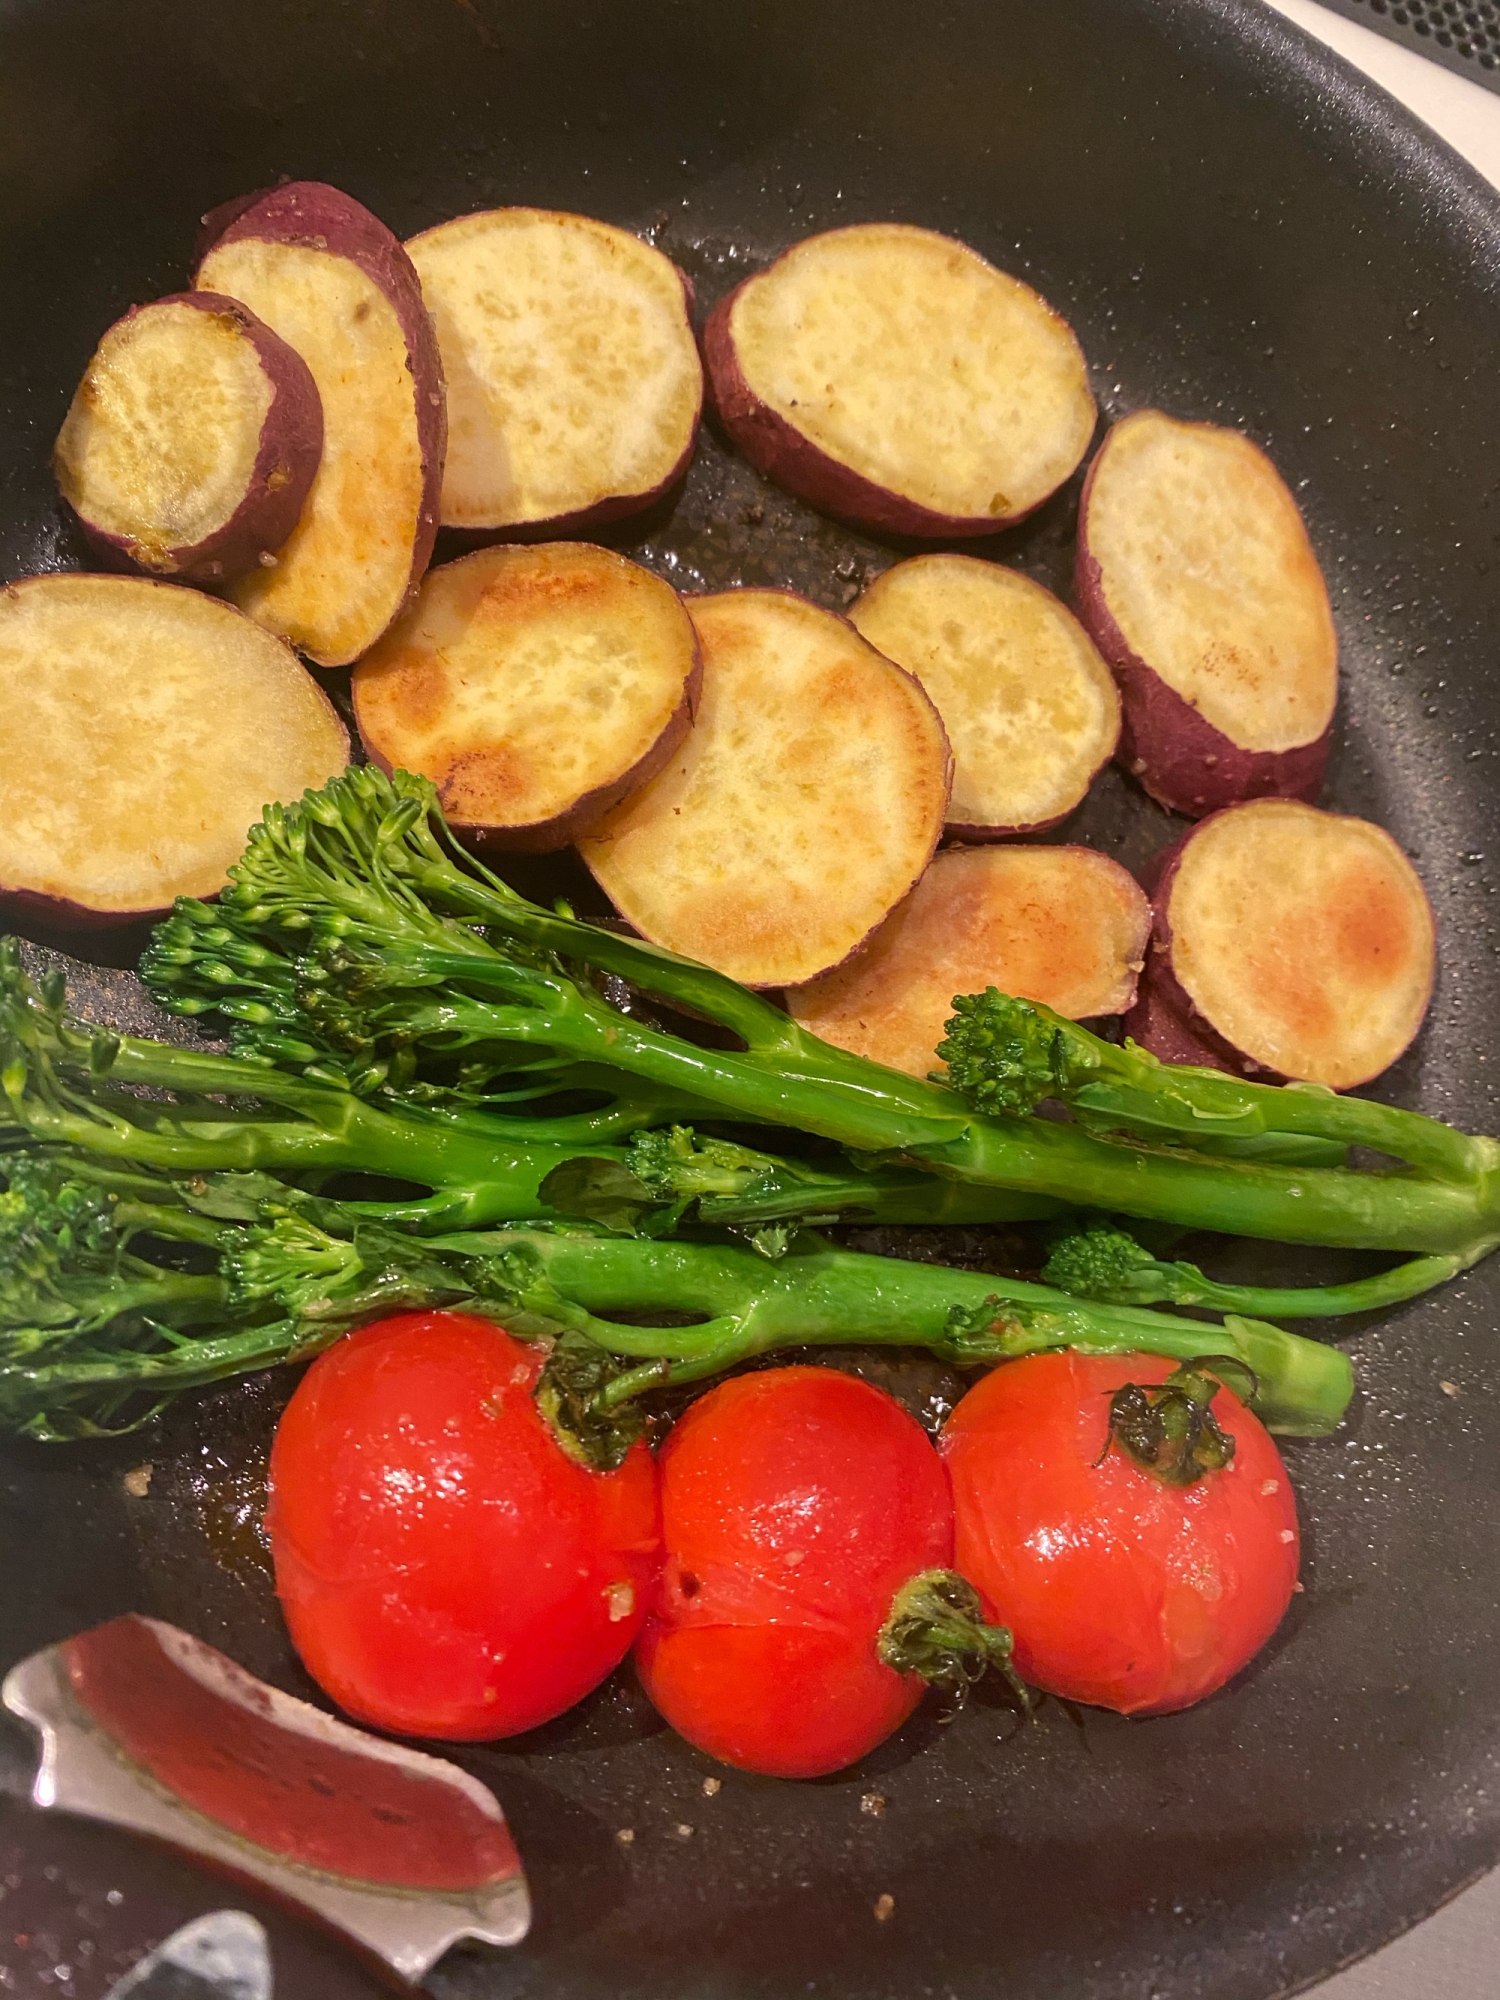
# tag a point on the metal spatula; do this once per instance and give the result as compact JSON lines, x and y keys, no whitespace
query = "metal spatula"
{"x":149,"y":1728}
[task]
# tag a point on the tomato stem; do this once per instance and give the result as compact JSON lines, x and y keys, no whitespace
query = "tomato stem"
{"x":1169,"y":1428}
{"x":936,"y":1628}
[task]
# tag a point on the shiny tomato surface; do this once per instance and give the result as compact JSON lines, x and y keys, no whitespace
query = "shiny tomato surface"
{"x":445,"y":1569}
{"x":1120,"y":1590}
{"x":795,"y":1504}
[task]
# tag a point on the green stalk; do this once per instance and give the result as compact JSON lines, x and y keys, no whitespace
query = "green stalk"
{"x":819,"y":1296}
{"x":1008,"y":1055}
{"x":82,"y":1345}
{"x":1151,"y":1283}
{"x":81,"y":1394}
{"x":881,"y":1113}
{"x":1358,"y":1295}
{"x":361,"y":922}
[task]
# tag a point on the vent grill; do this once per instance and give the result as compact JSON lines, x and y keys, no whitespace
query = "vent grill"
{"x":1463,"y":35}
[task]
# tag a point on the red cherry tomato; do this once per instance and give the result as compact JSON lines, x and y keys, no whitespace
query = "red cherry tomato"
{"x":445,"y":1569}
{"x":1120,"y":1590}
{"x":795,"y":1504}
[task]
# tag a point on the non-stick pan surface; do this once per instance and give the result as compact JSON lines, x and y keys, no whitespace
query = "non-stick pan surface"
{"x":1241,"y":231}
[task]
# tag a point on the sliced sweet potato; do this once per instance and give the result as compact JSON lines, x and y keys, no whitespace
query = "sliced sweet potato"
{"x":1029,"y":706}
{"x":574,"y":385}
{"x":1059,"y":924}
{"x":146,"y":727}
{"x":191,"y":443}
{"x":336,"y":285}
{"x":891,"y":376}
{"x":800,"y":809}
{"x":1291,"y":942}
{"x":1199,"y":585}
{"x":535,"y":686}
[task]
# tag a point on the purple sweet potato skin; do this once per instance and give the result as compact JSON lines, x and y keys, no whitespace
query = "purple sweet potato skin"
{"x":58,"y":913}
{"x":795,"y":462}
{"x":1158,"y":1030}
{"x":320,"y":217}
{"x":1179,"y":757}
{"x":291,"y":444}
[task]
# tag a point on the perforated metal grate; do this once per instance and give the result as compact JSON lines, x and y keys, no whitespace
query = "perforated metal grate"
{"x":1463,"y":35}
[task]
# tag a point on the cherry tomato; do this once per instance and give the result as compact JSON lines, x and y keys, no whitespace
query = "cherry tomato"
{"x":1120,"y":1590}
{"x":445,"y":1569}
{"x":795,"y":1504}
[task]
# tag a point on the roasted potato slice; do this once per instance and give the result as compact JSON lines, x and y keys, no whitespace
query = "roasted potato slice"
{"x":192,"y":440}
{"x":146,"y":727}
{"x":335,"y":284}
{"x":536,"y":686}
{"x":800,"y":809}
{"x":891,"y":376}
{"x":1059,"y":924}
{"x":1029,"y":706}
{"x":574,"y":385}
{"x":1292,"y":943}
{"x":1199,"y":585}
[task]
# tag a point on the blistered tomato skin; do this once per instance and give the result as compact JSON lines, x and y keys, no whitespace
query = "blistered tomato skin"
{"x":795,"y":1504}
{"x":1120,"y":1590}
{"x":444,"y":1568}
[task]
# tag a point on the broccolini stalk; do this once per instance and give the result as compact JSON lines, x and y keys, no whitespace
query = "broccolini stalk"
{"x":820,"y":1296}
{"x":391,"y":950}
{"x":665,"y":1176}
{"x":1100,"y":1261}
{"x":60,"y":1081}
{"x":1007,"y":1055}
{"x":301,"y":1272}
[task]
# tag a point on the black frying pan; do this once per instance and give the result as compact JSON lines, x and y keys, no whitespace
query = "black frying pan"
{"x":1240,"y":231}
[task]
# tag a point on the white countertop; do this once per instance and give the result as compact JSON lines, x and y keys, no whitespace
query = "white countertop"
{"x":1465,"y":114}
{"x":1454,"y":1955}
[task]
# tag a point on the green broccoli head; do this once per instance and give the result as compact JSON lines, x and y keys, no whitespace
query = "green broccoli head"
{"x":1003,"y":1054}
{"x":676,"y":1163}
{"x":1099,"y":1261}
{"x":52,"y":1227}
{"x":287,"y":1258}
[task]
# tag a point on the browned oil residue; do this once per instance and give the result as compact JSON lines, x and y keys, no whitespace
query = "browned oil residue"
{"x":230,"y":1498}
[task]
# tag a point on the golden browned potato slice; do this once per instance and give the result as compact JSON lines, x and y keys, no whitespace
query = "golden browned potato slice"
{"x":146,"y":727}
{"x":1299,"y":942}
{"x":1058,"y":924}
{"x":335,"y":284}
{"x":1197,"y":581}
{"x":799,"y":811}
{"x":892,"y":376}
{"x":535,"y":686}
{"x":1029,"y":706}
{"x":574,"y":384}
